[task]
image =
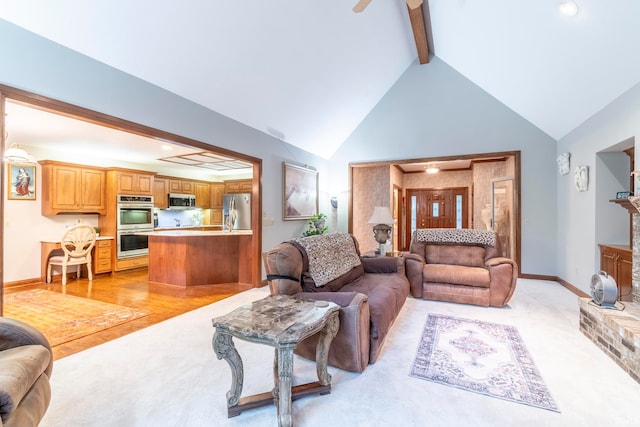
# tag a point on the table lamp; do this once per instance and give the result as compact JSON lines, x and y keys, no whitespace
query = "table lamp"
{"x":382,"y":230}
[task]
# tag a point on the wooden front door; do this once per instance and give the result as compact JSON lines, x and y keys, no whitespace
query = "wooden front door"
{"x":431,"y":208}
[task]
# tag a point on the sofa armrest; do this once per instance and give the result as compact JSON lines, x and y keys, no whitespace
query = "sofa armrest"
{"x":504,"y":274}
{"x":383,"y":264}
{"x":14,"y":333}
{"x":414,"y":264}
{"x":349,"y":349}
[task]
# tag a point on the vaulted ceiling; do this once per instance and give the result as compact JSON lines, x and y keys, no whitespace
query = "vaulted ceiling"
{"x":308,"y":72}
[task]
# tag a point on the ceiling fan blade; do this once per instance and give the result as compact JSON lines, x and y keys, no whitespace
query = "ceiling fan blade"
{"x":361,"y":5}
{"x":413,"y":4}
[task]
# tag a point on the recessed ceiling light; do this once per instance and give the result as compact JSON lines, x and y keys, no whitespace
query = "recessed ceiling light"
{"x":568,"y":8}
{"x":166,"y":147}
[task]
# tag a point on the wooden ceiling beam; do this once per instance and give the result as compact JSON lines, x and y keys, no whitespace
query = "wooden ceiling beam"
{"x":419,"y":33}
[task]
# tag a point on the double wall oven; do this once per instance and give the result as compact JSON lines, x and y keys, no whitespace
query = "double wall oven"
{"x":134,"y":215}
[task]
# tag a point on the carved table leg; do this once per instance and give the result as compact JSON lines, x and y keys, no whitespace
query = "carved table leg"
{"x":322,"y":350}
{"x":284,"y":359}
{"x":224,"y":349}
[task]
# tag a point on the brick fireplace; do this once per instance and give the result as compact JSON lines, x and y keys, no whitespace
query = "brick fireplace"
{"x":616,"y":332}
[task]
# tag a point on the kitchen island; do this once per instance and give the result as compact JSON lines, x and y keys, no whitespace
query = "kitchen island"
{"x":198,"y":257}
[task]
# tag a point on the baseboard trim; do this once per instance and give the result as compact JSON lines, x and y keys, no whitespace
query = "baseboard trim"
{"x":19,"y":283}
{"x":569,"y":286}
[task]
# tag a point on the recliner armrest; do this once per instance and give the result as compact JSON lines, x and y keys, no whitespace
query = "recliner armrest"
{"x":414,"y":264}
{"x":350,"y":348}
{"x":14,"y":333}
{"x":382,"y":264}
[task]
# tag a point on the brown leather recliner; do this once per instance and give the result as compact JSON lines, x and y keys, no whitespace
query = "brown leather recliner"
{"x":26,"y":363}
{"x":370,"y":296}
{"x":460,"y":266}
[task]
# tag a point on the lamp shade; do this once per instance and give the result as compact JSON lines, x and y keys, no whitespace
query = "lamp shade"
{"x":381,"y":215}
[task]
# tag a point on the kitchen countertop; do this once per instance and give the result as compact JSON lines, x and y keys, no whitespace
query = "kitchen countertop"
{"x":189,"y":227}
{"x":181,"y":232}
{"x":58,"y":239}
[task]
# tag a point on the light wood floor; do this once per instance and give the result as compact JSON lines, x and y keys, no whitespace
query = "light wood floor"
{"x":132,"y":289}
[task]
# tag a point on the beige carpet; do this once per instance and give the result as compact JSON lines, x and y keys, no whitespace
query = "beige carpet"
{"x":62,"y":318}
{"x":168,"y":375}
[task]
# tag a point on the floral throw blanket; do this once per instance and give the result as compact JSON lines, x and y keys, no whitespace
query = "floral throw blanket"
{"x":330,"y":256}
{"x":461,"y":236}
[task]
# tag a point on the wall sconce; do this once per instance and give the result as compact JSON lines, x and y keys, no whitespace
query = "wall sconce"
{"x":382,"y":230}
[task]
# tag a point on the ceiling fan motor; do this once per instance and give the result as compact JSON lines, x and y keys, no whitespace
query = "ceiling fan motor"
{"x":604,"y":290}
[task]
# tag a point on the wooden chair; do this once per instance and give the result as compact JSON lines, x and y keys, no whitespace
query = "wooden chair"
{"x":76,"y":244}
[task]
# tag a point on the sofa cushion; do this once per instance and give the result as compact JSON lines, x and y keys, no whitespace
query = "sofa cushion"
{"x":386,"y":294}
{"x":472,"y":256}
{"x":330,"y":256}
{"x":20,"y":368}
{"x":456,"y":274}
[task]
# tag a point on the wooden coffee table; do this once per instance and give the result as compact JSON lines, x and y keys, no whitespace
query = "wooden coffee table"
{"x":280,"y":321}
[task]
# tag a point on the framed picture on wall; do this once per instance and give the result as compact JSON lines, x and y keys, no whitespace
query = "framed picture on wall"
{"x":21,"y":181}
{"x":300,"y":193}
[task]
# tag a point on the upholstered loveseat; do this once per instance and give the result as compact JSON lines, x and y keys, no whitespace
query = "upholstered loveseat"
{"x":370,"y":292}
{"x":460,"y":265}
{"x":26,"y":363}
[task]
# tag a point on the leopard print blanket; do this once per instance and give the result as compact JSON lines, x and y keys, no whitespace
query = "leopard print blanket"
{"x":462,"y":236}
{"x":330,"y":256}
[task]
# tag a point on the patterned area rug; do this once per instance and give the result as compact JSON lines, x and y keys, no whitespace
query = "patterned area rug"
{"x":63,"y":318}
{"x":486,"y":358}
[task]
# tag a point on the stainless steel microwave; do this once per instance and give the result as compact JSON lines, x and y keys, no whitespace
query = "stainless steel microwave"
{"x":182,"y":201}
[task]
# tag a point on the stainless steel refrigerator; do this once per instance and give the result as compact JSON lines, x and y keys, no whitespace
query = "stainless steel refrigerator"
{"x":240,"y":204}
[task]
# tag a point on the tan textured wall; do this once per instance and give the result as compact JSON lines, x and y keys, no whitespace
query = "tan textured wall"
{"x":483,"y":173}
{"x":371,"y":187}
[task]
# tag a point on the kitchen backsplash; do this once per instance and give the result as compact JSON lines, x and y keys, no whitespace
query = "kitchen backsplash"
{"x":187,"y":217}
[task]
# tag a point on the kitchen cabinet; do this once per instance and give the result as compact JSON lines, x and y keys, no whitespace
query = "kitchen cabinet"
{"x":616,"y":260}
{"x":160,"y":193}
{"x":217,"y":195}
{"x":216,"y":217}
{"x":133,"y":182}
{"x":71,"y":188}
{"x":203,"y":194}
{"x":131,"y":263}
{"x":238,"y":186}
{"x":101,"y":262}
{"x":181,"y":186}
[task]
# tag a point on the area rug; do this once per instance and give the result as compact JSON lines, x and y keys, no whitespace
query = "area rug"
{"x":62,"y":318}
{"x":482,"y":357}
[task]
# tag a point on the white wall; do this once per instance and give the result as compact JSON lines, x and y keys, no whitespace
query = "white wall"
{"x":578,"y":255}
{"x":34,"y":64}
{"x":434,"y":111}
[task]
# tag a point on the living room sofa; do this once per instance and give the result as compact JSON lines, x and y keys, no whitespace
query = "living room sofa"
{"x":370,"y":292}
{"x":26,"y":363}
{"x":460,"y":265}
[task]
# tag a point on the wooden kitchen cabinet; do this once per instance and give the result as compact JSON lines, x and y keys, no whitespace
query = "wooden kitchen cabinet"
{"x":216,"y":217}
{"x":217,"y":195}
{"x":71,"y":188}
{"x":616,"y":260}
{"x":238,"y":186}
{"x":160,"y":193}
{"x":182,"y":186}
{"x":129,"y":181}
{"x":101,"y":262}
{"x":203,"y":194}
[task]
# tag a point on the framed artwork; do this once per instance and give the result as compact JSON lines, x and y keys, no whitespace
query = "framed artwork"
{"x":300,"y":193}
{"x":21,"y":181}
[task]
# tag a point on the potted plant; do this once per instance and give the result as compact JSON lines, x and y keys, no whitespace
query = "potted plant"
{"x":316,"y":225}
